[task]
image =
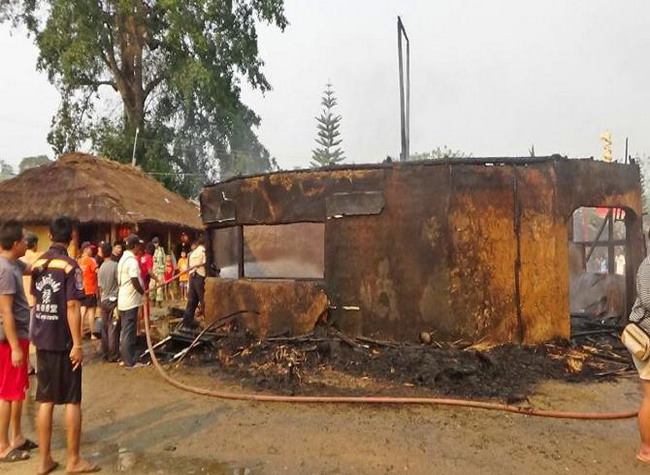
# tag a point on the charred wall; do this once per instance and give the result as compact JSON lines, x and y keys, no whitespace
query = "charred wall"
{"x":473,"y":249}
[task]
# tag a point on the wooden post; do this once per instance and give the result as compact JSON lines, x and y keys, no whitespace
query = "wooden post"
{"x":75,"y":242}
{"x":113,"y":237}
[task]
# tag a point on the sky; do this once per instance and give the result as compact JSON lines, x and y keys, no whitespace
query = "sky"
{"x":488,"y":77}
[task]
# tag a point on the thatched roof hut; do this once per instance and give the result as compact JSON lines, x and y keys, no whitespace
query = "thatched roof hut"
{"x":104,"y":197}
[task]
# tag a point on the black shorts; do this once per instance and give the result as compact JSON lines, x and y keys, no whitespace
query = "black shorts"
{"x":57,"y":382}
{"x":89,"y":301}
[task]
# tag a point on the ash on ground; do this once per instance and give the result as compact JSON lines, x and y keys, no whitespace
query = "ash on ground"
{"x":327,"y":362}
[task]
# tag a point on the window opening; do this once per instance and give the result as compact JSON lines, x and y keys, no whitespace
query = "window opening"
{"x":225,"y":249}
{"x":597,"y":269}
{"x":291,"y":251}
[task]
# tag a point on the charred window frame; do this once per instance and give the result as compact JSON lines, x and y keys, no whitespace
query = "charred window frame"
{"x":279,"y":251}
{"x":226,"y":250}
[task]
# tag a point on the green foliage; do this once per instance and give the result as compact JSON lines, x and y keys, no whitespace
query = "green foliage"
{"x":175,"y":67}
{"x":328,"y":133}
{"x":31,"y":162}
{"x":6,"y":171}
{"x":437,"y":153}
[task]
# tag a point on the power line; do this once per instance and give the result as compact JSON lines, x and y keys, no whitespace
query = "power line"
{"x":174,"y":173}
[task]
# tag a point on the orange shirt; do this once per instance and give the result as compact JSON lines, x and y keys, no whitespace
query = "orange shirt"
{"x":88,"y":267}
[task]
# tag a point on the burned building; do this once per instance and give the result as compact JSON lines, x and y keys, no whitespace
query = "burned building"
{"x":473,"y":249}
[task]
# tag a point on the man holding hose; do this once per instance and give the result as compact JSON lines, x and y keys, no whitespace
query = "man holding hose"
{"x":196,"y":291}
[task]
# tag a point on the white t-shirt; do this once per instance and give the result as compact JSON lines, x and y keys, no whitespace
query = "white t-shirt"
{"x":127,"y":269}
{"x":197,"y":258}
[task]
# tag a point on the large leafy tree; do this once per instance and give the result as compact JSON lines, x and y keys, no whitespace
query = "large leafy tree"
{"x":328,"y":133}
{"x":176,"y":68}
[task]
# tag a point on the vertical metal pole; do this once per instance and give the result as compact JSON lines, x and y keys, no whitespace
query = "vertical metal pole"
{"x":404,"y":90}
{"x":626,"y":144}
{"x":402,"y":111}
{"x":408,"y":97}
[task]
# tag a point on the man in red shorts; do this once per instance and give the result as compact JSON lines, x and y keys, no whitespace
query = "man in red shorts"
{"x":14,"y":343}
{"x":57,"y":286}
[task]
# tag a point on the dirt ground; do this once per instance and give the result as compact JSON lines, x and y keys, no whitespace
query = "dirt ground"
{"x":162,"y":430}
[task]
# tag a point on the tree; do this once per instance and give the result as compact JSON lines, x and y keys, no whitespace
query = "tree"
{"x":6,"y":171}
{"x":328,"y":133}
{"x":437,"y":153}
{"x":175,"y":68}
{"x":31,"y":162}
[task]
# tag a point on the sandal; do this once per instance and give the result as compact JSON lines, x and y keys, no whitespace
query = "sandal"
{"x":27,"y":445}
{"x":15,"y":455}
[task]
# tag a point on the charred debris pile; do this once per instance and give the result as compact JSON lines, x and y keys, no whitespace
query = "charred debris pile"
{"x":327,"y":361}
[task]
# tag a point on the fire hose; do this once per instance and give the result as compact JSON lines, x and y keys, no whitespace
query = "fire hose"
{"x":528,"y":411}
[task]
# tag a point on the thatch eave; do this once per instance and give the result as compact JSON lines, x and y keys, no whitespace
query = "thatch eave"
{"x":93,"y":189}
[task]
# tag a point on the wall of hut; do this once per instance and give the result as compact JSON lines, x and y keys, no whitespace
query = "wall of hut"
{"x":474,"y":250}
{"x":43,"y":233}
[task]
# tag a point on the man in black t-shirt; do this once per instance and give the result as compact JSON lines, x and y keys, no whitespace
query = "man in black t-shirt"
{"x":57,"y":286}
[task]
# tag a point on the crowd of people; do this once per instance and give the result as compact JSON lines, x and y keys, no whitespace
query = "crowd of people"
{"x":45,"y":299}
{"x":156,"y":266}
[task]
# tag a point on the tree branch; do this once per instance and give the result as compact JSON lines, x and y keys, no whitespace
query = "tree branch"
{"x":153,"y":84}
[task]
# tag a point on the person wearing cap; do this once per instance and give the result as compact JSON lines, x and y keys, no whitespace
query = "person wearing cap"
{"x":89,"y":268}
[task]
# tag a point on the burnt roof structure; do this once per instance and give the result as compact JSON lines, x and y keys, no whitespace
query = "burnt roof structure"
{"x":473,"y":249}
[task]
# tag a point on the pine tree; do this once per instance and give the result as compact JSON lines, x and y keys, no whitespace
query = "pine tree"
{"x":328,"y":133}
